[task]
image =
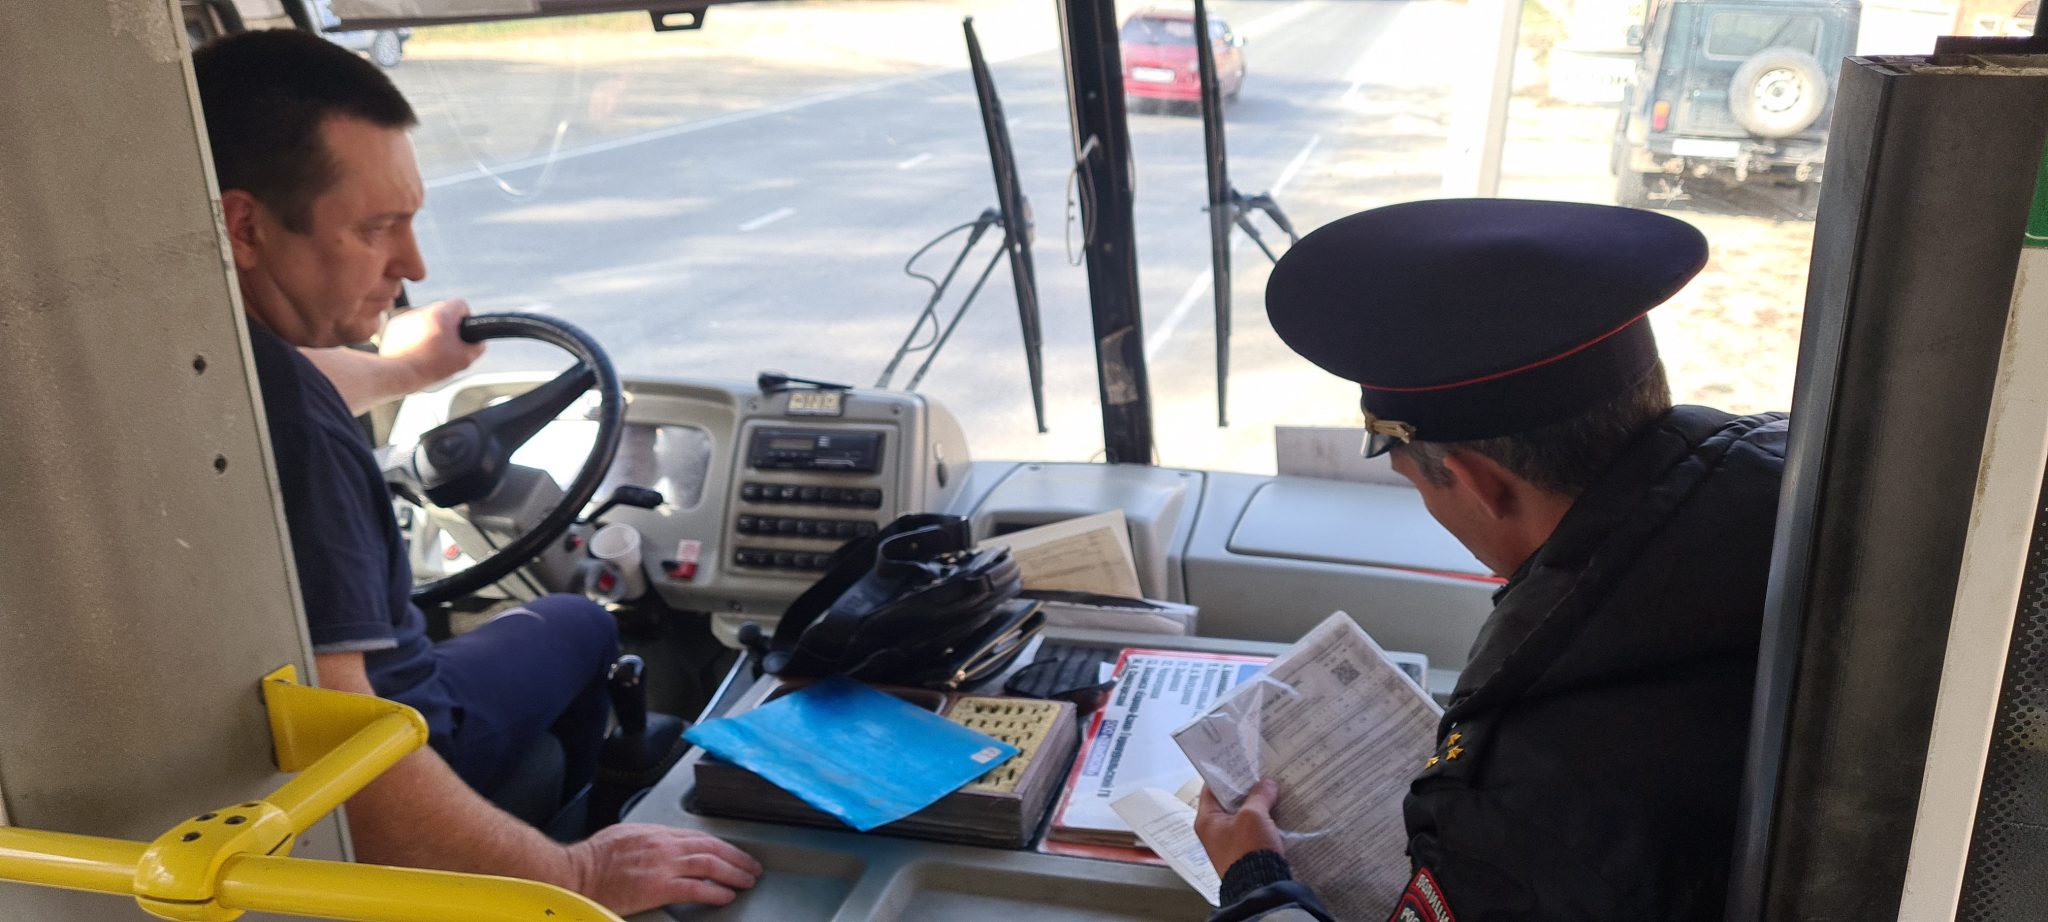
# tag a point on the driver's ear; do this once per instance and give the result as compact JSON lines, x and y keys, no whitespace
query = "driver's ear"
{"x":242,"y":215}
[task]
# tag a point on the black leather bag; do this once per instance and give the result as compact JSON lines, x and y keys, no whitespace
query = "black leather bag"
{"x":915,"y":604}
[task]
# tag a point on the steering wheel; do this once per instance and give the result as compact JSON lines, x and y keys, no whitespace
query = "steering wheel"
{"x":466,"y":459}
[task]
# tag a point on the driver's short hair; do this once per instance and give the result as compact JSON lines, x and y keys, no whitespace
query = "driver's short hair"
{"x":1567,"y":457}
{"x":266,"y":94}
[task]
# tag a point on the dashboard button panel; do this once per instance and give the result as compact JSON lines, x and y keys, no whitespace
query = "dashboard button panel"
{"x":868,"y":498}
{"x":780,"y":560}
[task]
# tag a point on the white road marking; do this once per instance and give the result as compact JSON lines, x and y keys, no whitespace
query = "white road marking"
{"x":1294,"y":166}
{"x":1153,"y":343}
{"x":1205,"y":281}
{"x":920,"y":158}
{"x":766,"y":219}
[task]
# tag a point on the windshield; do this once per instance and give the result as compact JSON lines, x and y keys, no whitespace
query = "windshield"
{"x":715,"y":203}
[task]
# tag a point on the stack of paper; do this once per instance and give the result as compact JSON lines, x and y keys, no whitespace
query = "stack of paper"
{"x":1130,"y":743}
{"x":1088,"y":554}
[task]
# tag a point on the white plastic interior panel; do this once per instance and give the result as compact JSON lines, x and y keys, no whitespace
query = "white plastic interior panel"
{"x":1158,"y":503}
{"x":1369,"y":525}
{"x":1272,"y":556}
{"x":1330,"y":453}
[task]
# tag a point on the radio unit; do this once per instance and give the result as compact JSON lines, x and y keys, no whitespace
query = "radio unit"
{"x":815,"y":450}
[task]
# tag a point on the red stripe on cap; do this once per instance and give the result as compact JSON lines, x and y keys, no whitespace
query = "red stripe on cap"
{"x":1539,"y":363}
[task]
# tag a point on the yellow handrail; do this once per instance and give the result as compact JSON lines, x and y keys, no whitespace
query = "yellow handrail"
{"x":59,"y":859}
{"x":223,"y":863}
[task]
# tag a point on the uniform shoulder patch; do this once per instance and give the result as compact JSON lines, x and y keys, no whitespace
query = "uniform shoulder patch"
{"x":1423,"y":901}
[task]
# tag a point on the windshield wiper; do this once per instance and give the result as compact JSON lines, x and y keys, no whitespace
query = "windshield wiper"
{"x":1227,"y":207}
{"x":1013,"y":214}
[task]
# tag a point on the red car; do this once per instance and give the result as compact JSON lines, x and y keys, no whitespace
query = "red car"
{"x":1159,"y":56}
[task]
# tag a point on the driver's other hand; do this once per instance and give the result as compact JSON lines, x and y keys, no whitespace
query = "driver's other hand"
{"x":1228,"y":836}
{"x":428,"y":341}
{"x":634,"y":867}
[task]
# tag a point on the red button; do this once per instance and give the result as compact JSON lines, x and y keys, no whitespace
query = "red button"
{"x":683,"y":570}
{"x":605,"y":581}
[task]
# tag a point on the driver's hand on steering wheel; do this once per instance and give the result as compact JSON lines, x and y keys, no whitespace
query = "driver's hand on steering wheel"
{"x":634,"y":867}
{"x":427,"y":342}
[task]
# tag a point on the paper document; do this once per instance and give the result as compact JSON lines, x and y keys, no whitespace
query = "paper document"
{"x":1129,"y":744}
{"x":1088,"y":554}
{"x":1343,"y":730}
{"x":1167,"y":826}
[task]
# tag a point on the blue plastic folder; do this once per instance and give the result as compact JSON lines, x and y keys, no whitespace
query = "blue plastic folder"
{"x":853,"y":752}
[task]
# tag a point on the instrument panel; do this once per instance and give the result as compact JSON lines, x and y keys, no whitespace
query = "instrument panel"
{"x":758,"y":489}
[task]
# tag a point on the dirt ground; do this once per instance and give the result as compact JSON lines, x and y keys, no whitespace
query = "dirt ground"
{"x":1731,"y":338}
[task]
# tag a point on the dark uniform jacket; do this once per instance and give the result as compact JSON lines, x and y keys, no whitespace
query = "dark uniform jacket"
{"x":1589,"y":763}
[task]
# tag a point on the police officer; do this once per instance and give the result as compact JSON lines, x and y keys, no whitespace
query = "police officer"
{"x":1589,"y":762}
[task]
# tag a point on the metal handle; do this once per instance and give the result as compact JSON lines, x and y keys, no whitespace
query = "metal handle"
{"x":223,"y":863}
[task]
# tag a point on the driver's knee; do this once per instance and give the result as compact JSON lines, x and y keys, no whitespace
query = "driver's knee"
{"x":579,"y":627}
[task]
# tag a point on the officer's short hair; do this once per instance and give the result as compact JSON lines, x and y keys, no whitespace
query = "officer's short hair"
{"x":1563,"y":458}
{"x":266,"y":94}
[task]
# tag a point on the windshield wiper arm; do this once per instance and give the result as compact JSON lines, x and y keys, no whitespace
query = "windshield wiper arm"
{"x":941,"y":333}
{"x":1241,"y":207}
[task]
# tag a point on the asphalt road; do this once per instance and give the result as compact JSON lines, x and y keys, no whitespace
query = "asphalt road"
{"x":743,"y":213}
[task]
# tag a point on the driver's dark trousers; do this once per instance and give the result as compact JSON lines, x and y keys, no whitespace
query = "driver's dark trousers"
{"x":536,"y":669}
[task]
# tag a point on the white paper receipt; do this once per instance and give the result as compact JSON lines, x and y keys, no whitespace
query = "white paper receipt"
{"x":1166,"y":825}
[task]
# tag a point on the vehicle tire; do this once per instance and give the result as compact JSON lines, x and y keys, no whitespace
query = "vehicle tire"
{"x":387,"y":49}
{"x":1778,"y":92}
{"x":1631,"y":189}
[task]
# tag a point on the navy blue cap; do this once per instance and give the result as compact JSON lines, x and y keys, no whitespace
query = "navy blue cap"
{"x":1469,"y":319}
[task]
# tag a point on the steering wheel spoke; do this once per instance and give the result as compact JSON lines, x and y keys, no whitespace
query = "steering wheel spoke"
{"x":466,"y":459}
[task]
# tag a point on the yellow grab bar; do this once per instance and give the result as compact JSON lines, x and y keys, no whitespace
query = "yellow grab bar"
{"x":369,"y":893}
{"x":223,"y":863}
{"x":60,"y":859}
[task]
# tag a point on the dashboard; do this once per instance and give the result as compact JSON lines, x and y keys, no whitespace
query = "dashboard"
{"x":759,"y":488}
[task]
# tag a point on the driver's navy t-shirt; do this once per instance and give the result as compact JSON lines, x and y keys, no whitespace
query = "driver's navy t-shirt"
{"x":353,"y":572}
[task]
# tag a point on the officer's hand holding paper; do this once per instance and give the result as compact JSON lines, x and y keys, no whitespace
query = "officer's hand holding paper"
{"x":1343,"y":731}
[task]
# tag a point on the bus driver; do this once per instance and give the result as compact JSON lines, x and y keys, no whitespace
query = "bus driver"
{"x":318,"y":191}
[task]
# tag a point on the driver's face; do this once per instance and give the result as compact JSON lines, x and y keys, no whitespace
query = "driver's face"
{"x":331,"y":285}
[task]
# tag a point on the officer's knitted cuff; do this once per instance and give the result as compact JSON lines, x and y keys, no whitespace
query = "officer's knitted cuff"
{"x":1258,"y":869}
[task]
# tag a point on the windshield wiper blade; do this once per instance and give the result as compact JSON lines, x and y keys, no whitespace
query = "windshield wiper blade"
{"x":1227,"y":207}
{"x":1016,"y":211}
{"x":1013,"y":215}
